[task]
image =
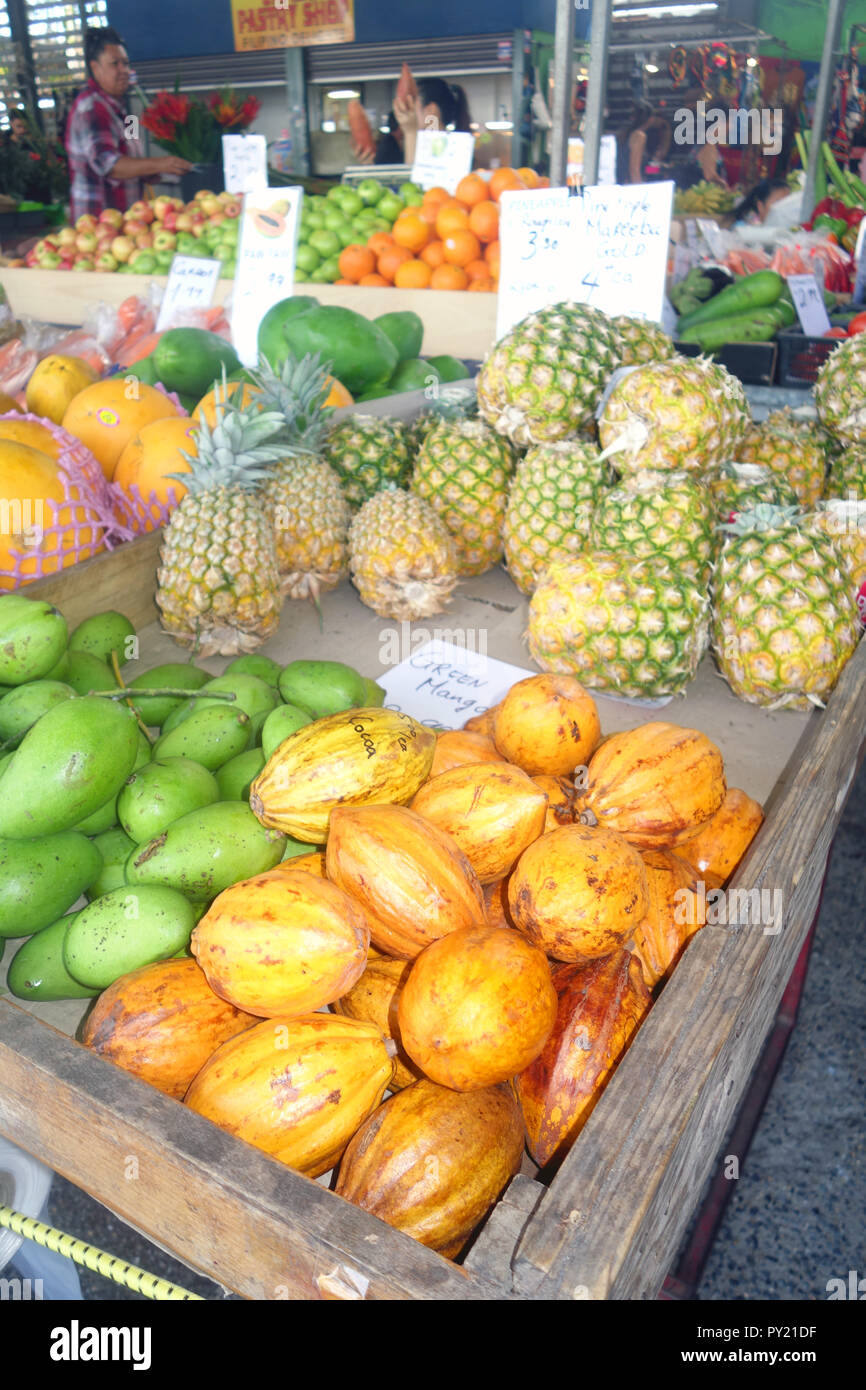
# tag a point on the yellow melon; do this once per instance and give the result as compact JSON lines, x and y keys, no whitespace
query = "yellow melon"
{"x":108,"y":414}
{"x":56,"y":380}
{"x":29,"y":480}
{"x":153,"y":453}
{"x":31,"y":433}
{"x":7,"y":403}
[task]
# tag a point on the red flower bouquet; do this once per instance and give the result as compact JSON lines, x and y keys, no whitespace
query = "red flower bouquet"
{"x":191,"y":127}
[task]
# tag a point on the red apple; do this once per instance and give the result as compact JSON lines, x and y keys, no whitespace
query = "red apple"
{"x":67,"y":236}
{"x":161,"y":206}
{"x":141,"y":212}
{"x":111,"y":218}
{"x":86,"y":242}
{"x":133,"y":226}
{"x":232,"y":209}
{"x":83,"y":263}
{"x":216,"y":220}
{"x":170,"y":220}
{"x":183,"y":222}
{"x":122,"y":248}
{"x":144,"y":241}
{"x":86,"y":223}
{"x":210,"y":204}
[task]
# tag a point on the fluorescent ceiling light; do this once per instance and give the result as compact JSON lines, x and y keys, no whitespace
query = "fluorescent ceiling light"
{"x":329,"y":125}
{"x":651,"y":67}
{"x":499,"y":125}
{"x":751,"y":62}
{"x":654,"y":11}
{"x":343,"y":93}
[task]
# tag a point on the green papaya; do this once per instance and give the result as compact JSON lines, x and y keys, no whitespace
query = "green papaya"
{"x":131,"y":926}
{"x":209,"y":736}
{"x":70,"y":763}
{"x":104,"y":633}
{"x":173,"y":675}
{"x":271,"y":343}
{"x":414,"y":375}
{"x":192,"y":359}
{"x":24,"y":704}
{"x":41,"y":878}
{"x":322,"y":687}
{"x":143,"y":370}
{"x":115,"y":846}
{"x":207,"y":851}
{"x":33,"y":638}
{"x":36,"y":971}
{"x":449,"y":368}
{"x":160,"y":793}
{"x":85,"y":672}
{"x":235,"y":776}
{"x":406,"y":331}
{"x":280,"y":724}
{"x":358,"y":351}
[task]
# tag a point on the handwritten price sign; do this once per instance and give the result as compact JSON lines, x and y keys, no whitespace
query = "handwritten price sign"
{"x":536,"y":234}
{"x":266,"y":263}
{"x":624,"y":249}
{"x":809,"y":303}
{"x":192,"y":283}
{"x":245,"y":163}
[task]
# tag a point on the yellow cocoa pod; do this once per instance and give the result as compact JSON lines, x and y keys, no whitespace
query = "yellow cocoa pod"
{"x":374,"y":999}
{"x":493,"y":810}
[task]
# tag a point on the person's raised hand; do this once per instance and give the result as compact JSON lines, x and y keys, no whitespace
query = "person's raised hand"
{"x":172,"y":164}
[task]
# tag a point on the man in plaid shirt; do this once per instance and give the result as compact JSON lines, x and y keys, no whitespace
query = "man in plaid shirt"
{"x":105,"y":160}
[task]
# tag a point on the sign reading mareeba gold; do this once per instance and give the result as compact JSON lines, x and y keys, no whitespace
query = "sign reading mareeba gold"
{"x":291,"y":23}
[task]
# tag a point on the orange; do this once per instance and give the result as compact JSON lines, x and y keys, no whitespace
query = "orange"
{"x":529,"y":176}
{"x":484,"y":221}
{"x":106,"y":415}
{"x":486,"y":285}
{"x":436,"y":196}
{"x":355,"y":261}
{"x":544,"y":181}
{"x":153,"y":453}
{"x":379,"y":242}
{"x":449,"y":277}
{"x":374,"y":279}
{"x":478,"y":270}
{"x":471,"y":190}
{"x":413,"y":275}
{"x":240,"y":393}
{"x":411,"y":231}
{"x":504,"y":180}
{"x":491,"y":256}
{"x":462,"y":247}
{"x":338,"y":395}
{"x":433,"y":253}
{"x":391,"y":259}
{"x":428,"y":212}
{"x":452,"y":217}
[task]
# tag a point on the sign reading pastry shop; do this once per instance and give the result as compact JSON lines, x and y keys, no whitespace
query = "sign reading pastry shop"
{"x":262,"y":24}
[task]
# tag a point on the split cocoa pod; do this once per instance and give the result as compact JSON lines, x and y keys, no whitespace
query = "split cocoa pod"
{"x":547,"y":724}
{"x":374,"y":999}
{"x":722,"y":840}
{"x":675,"y":912}
{"x":578,"y":893}
{"x":297,"y":1088}
{"x":412,"y":880}
{"x":162,"y":1023}
{"x":492,"y":810}
{"x":432,"y":1162}
{"x":598,"y":1008}
{"x":477,"y":1007}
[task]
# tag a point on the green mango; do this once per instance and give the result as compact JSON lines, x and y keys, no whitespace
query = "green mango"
{"x":72,"y":761}
{"x":252,"y":695}
{"x":264,"y":667}
{"x":374,"y":697}
{"x":322,"y":687}
{"x":115,"y":847}
{"x":131,"y":926}
{"x":105,"y":817}
{"x":102,"y":634}
{"x":86,"y":672}
{"x":24,"y":704}
{"x":415,"y":375}
{"x":174,"y":675}
{"x":449,"y":368}
{"x":406,"y":331}
{"x":41,"y":878}
{"x":235,"y":776}
{"x":209,"y":736}
{"x":207,"y":851}
{"x":59,"y":671}
{"x":32,"y":639}
{"x":295,"y":848}
{"x":358,"y":351}
{"x":160,"y":793}
{"x":280,"y":724}
{"x":257,"y":723}
{"x":36,"y":971}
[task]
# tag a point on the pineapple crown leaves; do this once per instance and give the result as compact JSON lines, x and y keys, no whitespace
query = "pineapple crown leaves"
{"x":238,"y":451}
{"x":298,"y":391}
{"x":764,"y":516}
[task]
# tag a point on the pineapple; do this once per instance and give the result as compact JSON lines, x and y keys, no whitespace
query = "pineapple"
{"x":840,"y":392}
{"x":552,"y":497}
{"x":463,"y":471}
{"x":367,"y":452}
{"x":302,"y":496}
{"x":847,"y":478}
{"x":784,"y":617}
{"x":844,"y":522}
{"x":641,"y":340}
{"x":544,"y":379}
{"x":790,"y":448}
{"x":658,"y":514}
{"x":687,"y":413}
{"x":620,"y":628}
{"x":218,"y":584}
{"x":402,"y":557}
{"x":742,"y":486}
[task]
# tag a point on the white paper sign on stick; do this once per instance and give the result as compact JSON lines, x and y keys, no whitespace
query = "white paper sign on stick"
{"x":245,"y":163}
{"x":442,"y":158}
{"x":606,"y":161}
{"x":442,"y":683}
{"x":809,"y":303}
{"x":266,"y":263}
{"x":536,"y":238}
{"x":192,"y":283}
{"x":623,"y":258}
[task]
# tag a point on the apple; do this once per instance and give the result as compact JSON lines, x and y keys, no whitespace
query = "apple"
{"x":216,"y":219}
{"x":133,"y":226}
{"x":232,"y":209}
{"x":198,"y":227}
{"x":86,"y":223}
{"x":178,"y":204}
{"x":31,"y":259}
{"x":86,"y":242}
{"x":144,"y":240}
{"x":105,"y":261}
{"x":67,"y":236}
{"x":122,"y":248}
{"x":83,"y":263}
{"x":161,"y":206}
{"x":164,"y":241}
{"x":170,"y":220}
{"x":183,"y":222}
{"x":49,"y":260}
{"x":210,"y":205}
{"x":111,"y":217}
{"x":141,"y":211}
{"x":68,"y":253}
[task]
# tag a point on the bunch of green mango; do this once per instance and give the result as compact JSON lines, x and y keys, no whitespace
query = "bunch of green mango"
{"x":149,"y":826}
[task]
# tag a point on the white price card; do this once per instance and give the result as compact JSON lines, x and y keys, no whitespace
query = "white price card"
{"x":266,"y":263}
{"x":712,"y":235}
{"x":624,"y":251}
{"x":606,"y":161}
{"x":536,"y":237}
{"x":245,"y":163}
{"x":192,"y":283}
{"x":809,"y":303}
{"x":442,"y":158}
{"x":443,"y":683}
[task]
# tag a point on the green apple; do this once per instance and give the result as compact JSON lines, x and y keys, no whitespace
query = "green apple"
{"x":301,"y":277}
{"x":307,"y":258}
{"x":370,"y":191}
{"x":334,"y":218}
{"x":327,"y":272}
{"x":327,"y":243}
{"x":391,"y":206}
{"x":409,"y":190}
{"x":316,"y":220}
{"x":164,"y":259}
{"x":347,"y":234}
{"x":351,"y":202}
{"x":413,"y":199}
{"x":334,"y":194}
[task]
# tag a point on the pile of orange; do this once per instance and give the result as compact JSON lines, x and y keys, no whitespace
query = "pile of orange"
{"x":445,"y":243}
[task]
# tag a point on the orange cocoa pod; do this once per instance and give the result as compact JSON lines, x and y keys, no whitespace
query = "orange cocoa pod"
{"x":656,"y":785}
{"x":432,"y":1161}
{"x":547,"y":724}
{"x":374,"y":999}
{"x":722,"y":840}
{"x":457,"y":747}
{"x":676,"y":911}
{"x":298,"y":1088}
{"x":477,"y":1008}
{"x":281,"y":944}
{"x":307,"y":863}
{"x":560,"y":795}
{"x":492,"y":810}
{"x":496,"y":904}
{"x":161,"y":1023}
{"x":599,"y":1006}
{"x":482,"y":723}
{"x":578,"y":893}
{"x":413,"y":880}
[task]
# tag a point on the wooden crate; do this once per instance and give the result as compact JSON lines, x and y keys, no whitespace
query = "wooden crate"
{"x":609,"y":1224}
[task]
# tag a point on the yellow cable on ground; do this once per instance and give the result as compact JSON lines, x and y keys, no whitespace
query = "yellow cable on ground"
{"x":109,"y":1266}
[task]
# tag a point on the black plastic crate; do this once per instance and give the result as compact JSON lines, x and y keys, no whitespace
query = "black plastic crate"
{"x":754,"y":364}
{"x":801,"y":358}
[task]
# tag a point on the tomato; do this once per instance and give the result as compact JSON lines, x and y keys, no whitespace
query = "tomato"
{"x":857,"y":324}
{"x":836,"y":333}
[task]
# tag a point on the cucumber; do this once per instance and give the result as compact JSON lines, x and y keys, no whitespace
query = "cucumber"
{"x":756,"y":327}
{"x":756,"y":291}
